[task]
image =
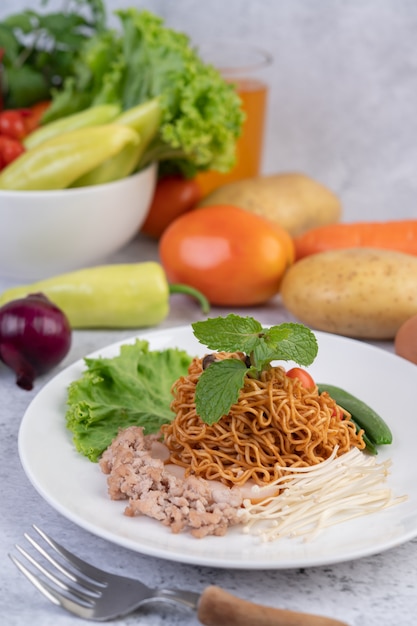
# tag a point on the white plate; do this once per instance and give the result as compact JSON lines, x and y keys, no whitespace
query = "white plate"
{"x":77,"y":489}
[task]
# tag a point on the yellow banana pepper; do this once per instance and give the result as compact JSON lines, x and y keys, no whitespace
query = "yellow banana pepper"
{"x":132,"y":295}
{"x":116,"y":167}
{"x":58,"y":162}
{"x":145,"y":119}
{"x":93,"y":116}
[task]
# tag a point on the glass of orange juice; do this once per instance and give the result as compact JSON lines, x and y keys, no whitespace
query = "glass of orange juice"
{"x":242,"y":65}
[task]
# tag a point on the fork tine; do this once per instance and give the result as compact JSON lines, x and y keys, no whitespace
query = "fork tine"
{"x":34,"y":580}
{"x":84,"y":609}
{"x":87,"y":591}
{"x":85,"y":569}
{"x":86,"y":582}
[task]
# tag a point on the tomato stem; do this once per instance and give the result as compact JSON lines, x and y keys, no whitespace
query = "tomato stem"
{"x":190,"y":291}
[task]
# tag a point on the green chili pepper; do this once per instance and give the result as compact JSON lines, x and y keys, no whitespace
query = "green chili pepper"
{"x":110,"y":296}
{"x":57,"y":162}
{"x":145,"y":119}
{"x":376,"y":430}
{"x":93,"y":116}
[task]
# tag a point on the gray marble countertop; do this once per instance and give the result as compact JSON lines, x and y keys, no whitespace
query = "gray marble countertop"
{"x":373,"y":591}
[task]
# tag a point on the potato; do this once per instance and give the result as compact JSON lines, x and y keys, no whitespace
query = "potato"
{"x":358,"y":292}
{"x":294,"y":201}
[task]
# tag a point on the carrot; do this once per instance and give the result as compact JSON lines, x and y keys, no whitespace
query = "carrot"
{"x":400,"y":235}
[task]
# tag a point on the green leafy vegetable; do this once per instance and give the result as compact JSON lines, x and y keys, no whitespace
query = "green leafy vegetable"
{"x":41,"y":49}
{"x":132,"y":388}
{"x":218,"y":386}
{"x":201,"y":113}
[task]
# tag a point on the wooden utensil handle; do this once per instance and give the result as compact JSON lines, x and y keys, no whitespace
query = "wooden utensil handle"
{"x":220,"y":608}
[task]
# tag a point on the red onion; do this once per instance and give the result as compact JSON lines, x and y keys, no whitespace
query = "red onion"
{"x":35,"y":335}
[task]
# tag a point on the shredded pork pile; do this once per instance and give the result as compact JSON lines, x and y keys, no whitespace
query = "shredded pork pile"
{"x":182,"y":503}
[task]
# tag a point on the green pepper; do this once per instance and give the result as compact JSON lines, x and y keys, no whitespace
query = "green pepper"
{"x":145,"y":119}
{"x":129,"y":295}
{"x":57,"y":162}
{"x":93,"y":116}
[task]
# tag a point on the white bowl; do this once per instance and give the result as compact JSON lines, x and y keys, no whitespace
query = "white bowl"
{"x":43,"y":233}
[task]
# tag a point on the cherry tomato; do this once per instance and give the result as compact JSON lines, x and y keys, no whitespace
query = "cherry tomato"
{"x":12,"y":125}
{"x":303,"y":376}
{"x":174,"y":196}
{"x":10,"y":149}
{"x":234,"y":257}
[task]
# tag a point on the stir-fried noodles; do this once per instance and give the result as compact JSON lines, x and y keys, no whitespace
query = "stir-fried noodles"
{"x":275,"y":423}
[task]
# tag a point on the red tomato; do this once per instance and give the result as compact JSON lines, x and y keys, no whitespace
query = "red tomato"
{"x":10,"y":149}
{"x":234,"y":257}
{"x":174,"y":196}
{"x":303,"y":376}
{"x":12,"y":125}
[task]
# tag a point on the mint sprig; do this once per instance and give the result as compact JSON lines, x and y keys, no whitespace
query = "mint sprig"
{"x":219,"y":385}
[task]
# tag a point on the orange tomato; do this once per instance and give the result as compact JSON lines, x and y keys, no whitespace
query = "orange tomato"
{"x":234,"y":257}
{"x":173,"y":196}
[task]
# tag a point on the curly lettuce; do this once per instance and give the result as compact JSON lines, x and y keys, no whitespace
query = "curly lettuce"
{"x":132,"y":388}
{"x":201,"y":114}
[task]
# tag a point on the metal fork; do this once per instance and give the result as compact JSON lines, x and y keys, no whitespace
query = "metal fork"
{"x":93,"y":594}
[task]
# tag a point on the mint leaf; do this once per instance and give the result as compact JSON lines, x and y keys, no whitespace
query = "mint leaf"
{"x":133,"y":388}
{"x":291,"y":342}
{"x":229,"y":334}
{"x":218,"y":389}
{"x":262,"y":354}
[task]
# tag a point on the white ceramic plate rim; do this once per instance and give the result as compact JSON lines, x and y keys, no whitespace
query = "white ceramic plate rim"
{"x":77,"y":489}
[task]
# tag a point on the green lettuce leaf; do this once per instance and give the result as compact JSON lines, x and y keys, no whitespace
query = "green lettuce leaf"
{"x":133,"y":388}
{"x":201,"y":113}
